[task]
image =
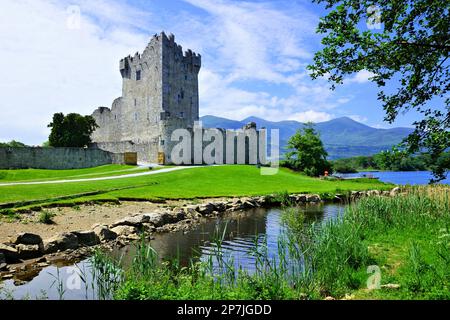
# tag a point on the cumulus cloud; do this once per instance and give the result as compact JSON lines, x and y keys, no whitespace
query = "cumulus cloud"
{"x":362,"y":76}
{"x":358,"y":118}
{"x":311,"y":116}
{"x":50,"y":68}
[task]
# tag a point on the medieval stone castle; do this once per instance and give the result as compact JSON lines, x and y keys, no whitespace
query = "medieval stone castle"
{"x":160,"y":95}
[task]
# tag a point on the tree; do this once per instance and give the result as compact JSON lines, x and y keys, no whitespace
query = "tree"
{"x":307,"y":152}
{"x":13,"y":144}
{"x":412,"y":49}
{"x":73,"y":130}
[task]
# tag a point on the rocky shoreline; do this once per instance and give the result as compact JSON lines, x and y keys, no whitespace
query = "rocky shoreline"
{"x":27,"y":253}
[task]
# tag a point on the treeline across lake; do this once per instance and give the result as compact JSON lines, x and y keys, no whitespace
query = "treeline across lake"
{"x":389,"y":161}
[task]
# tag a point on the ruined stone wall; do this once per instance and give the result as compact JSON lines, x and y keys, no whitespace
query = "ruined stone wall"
{"x":159,"y":94}
{"x":56,"y":158}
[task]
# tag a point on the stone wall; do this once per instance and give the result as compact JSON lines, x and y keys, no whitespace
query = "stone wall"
{"x":56,"y":158}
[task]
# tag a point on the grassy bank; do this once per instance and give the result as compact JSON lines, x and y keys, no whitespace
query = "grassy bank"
{"x":403,"y":241}
{"x":191,"y":183}
{"x":28,"y":175}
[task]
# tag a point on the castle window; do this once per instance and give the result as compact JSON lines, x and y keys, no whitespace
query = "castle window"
{"x":135,"y":116}
{"x":162,"y":142}
{"x":138,"y":75}
{"x":182,"y":115}
{"x":185,"y":77}
{"x":135,"y":102}
{"x":182,"y":94}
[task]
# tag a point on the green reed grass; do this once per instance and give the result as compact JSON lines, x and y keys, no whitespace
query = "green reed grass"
{"x":406,"y":236}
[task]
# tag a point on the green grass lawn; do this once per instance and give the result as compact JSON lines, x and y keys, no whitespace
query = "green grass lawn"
{"x":44,"y":175}
{"x":236,"y":180}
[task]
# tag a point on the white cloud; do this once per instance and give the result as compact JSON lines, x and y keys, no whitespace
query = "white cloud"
{"x":311,"y":116}
{"x":358,"y":118}
{"x":51,"y":68}
{"x":361,"y":77}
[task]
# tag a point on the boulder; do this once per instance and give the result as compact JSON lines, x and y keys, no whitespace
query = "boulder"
{"x":2,"y":257}
{"x":372,"y":193}
{"x":133,"y":221}
{"x":3,"y":266}
{"x":28,"y":238}
{"x":9,"y":253}
{"x":148,"y":227}
{"x":156,"y":219}
{"x":61,"y":242}
{"x":394,"y":192}
{"x":206,"y":209}
{"x":29,"y":251}
{"x":87,"y":238}
{"x":313,"y":198}
{"x":124,"y":230}
{"x":104,"y":233}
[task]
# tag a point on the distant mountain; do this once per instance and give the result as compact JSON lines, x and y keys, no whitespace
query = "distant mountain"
{"x":342,"y":137}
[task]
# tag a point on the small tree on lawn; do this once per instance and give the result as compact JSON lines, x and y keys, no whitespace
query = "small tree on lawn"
{"x":307,"y":152}
{"x":73,"y":130}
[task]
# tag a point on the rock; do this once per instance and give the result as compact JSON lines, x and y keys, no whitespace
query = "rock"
{"x":104,"y":233}
{"x":329,"y":298}
{"x":206,"y":209}
{"x":372,"y":193}
{"x":191,"y":209}
{"x":156,"y":219}
{"x":133,"y":221}
{"x":313,"y":198}
{"x":3,"y":266}
{"x":61,"y":242}
{"x":2,"y":258}
{"x":28,"y":238}
{"x":29,"y":251}
{"x":220,"y":206}
{"x":247,"y":204}
{"x":10,"y":254}
{"x":394,"y":192}
{"x":87,"y":238}
{"x":124,"y":230}
{"x":390,"y":286}
{"x":148,"y":227}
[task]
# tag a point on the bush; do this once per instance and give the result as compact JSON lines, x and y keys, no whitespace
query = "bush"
{"x":46,"y":217}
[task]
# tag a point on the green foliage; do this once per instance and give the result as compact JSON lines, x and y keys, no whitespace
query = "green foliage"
{"x":73,"y":130}
{"x":387,"y":160}
{"x":13,"y":144}
{"x":412,"y":49}
{"x":46,"y":217}
{"x":279,"y":198}
{"x":315,"y":261}
{"x":307,"y":152}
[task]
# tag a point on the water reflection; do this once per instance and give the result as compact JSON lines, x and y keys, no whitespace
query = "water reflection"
{"x":242,"y":232}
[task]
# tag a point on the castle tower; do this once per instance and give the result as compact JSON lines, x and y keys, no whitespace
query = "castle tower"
{"x":159,"y":95}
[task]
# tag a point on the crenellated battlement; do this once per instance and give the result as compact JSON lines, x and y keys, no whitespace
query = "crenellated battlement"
{"x":158,"y":44}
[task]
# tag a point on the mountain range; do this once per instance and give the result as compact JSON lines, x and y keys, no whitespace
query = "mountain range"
{"x":342,"y":137}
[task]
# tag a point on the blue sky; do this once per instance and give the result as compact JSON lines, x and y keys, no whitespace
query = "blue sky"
{"x":254,"y":53}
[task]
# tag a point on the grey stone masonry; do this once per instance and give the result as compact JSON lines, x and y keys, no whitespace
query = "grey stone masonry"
{"x":159,"y":94}
{"x":56,"y":158}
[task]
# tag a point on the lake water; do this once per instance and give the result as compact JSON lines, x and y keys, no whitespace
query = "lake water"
{"x":401,"y":177}
{"x":261,"y":226}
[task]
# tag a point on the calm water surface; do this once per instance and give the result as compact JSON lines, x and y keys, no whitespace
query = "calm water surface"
{"x":243,"y":231}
